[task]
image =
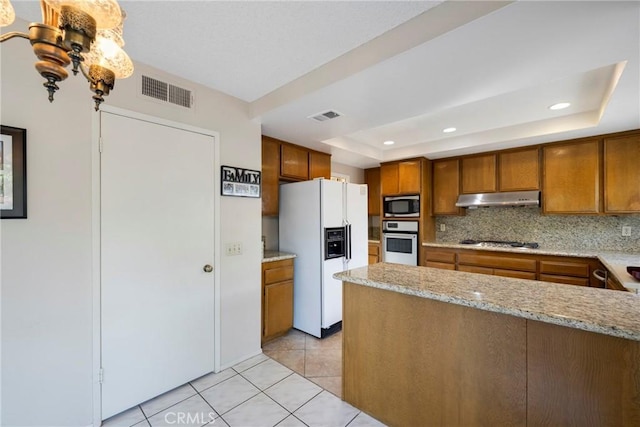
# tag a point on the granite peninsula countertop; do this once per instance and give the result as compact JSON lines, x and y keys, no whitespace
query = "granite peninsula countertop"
{"x":615,"y":262}
{"x":591,"y":309}
{"x":270,"y":256}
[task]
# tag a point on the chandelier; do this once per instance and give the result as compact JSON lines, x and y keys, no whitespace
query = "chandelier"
{"x":84,"y":33}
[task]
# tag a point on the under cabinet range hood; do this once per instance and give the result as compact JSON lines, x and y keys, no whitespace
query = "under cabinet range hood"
{"x":513,"y":198}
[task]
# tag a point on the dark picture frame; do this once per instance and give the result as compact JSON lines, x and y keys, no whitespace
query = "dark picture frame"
{"x":240,"y":182}
{"x":13,"y":173}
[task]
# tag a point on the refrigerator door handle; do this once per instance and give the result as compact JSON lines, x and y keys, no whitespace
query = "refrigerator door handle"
{"x":348,"y":246}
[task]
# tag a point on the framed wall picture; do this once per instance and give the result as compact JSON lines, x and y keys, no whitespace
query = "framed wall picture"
{"x":13,"y":172}
{"x":240,"y":182}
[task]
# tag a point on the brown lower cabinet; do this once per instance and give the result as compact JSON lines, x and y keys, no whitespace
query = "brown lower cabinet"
{"x":411,"y":361}
{"x":277,"y":298}
{"x":546,"y":268}
{"x":374,"y":253}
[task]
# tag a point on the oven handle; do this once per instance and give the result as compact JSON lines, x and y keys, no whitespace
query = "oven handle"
{"x":400,"y":234}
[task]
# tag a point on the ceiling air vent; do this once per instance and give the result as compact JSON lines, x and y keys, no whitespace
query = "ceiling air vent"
{"x":166,"y":92}
{"x":325,"y":115}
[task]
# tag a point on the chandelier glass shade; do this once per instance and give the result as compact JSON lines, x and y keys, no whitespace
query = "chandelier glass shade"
{"x":7,"y":14}
{"x":84,"y":33}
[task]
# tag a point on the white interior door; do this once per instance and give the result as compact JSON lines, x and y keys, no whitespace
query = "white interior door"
{"x":157,"y":222}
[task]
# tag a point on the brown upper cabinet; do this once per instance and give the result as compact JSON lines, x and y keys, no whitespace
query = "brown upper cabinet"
{"x":270,"y":175}
{"x":519,"y":170}
{"x":402,"y":177}
{"x":479,"y":174}
{"x":372,"y":179}
{"x":283,"y":161}
{"x":622,"y":174}
{"x":514,"y":170}
{"x":571,"y":177}
{"x":446,"y":187}
{"x":294,"y":162}
{"x":319,"y":165}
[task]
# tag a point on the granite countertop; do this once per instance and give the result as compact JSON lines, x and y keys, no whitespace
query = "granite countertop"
{"x":271,"y":256}
{"x":590,"y":309}
{"x":615,"y":262}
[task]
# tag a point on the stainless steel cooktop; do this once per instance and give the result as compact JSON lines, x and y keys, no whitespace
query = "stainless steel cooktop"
{"x":501,"y":243}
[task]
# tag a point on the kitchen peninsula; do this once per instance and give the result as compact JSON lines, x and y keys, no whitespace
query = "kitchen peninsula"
{"x":424,"y":346}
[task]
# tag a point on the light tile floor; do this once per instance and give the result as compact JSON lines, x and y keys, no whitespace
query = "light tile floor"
{"x":255,"y":393}
{"x":319,"y":360}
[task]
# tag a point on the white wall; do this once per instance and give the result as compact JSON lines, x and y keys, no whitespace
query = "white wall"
{"x":356,"y":174}
{"x":46,"y":288}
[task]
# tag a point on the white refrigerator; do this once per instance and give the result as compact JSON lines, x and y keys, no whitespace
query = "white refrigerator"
{"x":307,"y":209}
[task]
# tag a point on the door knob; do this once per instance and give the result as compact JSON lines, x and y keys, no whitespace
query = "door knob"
{"x":207,"y":268}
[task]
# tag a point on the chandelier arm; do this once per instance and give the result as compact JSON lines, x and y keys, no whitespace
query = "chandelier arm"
{"x":85,"y":72}
{"x":13,"y":34}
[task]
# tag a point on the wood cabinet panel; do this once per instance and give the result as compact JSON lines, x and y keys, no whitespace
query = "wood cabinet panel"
{"x":530,"y":266}
{"x":496,"y":261}
{"x":374,"y":253}
{"x":519,"y":170}
{"x":270,"y":176}
{"x":409,"y":176}
{"x":277,"y":298}
{"x":401,"y":178}
{"x":446,"y":187}
{"x":440,"y":256}
{"x":389,"y":179}
{"x":278,"y":311}
{"x":278,"y":274}
{"x":529,"y":275}
{"x":622,"y":174}
{"x":372,"y":179}
{"x":440,"y":265}
{"x":567,"y":280}
{"x":466,"y":367}
{"x":454,"y":365}
{"x":579,"y":378}
{"x":479,"y":174}
{"x":571,"y":178}
{"x":564,"y":268}
{"x":475,"y":269}
{"x":294,"y":162}
{"x":319,"y":165}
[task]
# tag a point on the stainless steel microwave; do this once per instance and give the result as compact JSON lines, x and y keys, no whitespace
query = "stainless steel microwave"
{"x":401,"y":206}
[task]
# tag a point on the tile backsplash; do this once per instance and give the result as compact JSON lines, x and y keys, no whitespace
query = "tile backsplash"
{"x":550,"y":231}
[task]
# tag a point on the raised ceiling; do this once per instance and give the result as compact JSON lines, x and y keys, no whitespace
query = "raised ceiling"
{"x":403,"y":71}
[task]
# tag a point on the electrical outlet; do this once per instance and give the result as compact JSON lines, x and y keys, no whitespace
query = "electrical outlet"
{"x":234,"y":248}
{"x":626,"y":231}
{"x":443,"y":227}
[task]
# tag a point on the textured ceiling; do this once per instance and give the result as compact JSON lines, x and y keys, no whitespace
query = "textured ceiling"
{"x":248,"y":49}
{"x":403,"y":70}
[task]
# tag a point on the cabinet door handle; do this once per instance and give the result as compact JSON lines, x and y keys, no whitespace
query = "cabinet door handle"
{"x":600,"y":275}
{"x":207,"y":268}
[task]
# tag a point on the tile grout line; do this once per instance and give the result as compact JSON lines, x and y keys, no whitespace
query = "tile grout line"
{"x":234,"y":407}
{"x":207,"y":402}
{"x":277,"y":382}
{"x":352,"y":419}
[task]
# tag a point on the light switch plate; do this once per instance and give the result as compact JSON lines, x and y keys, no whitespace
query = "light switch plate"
{"x":234,"y":248}
{"x":626,"y":231}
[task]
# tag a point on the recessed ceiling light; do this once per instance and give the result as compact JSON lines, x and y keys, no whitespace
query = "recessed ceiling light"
{"x":560,"y":106}
{"x":389,"y":142}
{"x":449,"y":130}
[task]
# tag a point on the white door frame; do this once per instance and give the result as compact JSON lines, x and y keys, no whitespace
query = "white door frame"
{"x":96,"y":242}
